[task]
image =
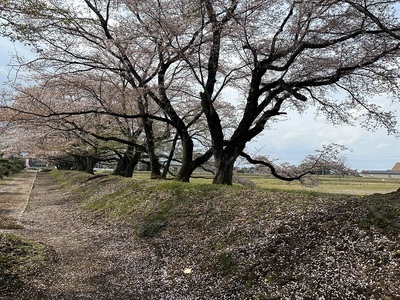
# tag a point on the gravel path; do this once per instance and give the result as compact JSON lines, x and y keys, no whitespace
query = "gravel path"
{"x":93,"y":259}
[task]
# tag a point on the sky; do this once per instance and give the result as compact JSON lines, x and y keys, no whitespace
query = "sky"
{"x":292,"y":140}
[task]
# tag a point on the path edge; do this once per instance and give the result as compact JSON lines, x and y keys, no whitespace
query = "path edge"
{"x":28,"y":197}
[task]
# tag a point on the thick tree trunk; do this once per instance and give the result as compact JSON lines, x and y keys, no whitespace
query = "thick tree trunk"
{"x":185,"y":173}
{"x":189,"y":165}
{"x":186,"y":169}
{"x":224,"y":166}
{"x":90,"y":164}
{"x":224,"y":173}
{"x":127,"y":163}
{"x":85,"y":163}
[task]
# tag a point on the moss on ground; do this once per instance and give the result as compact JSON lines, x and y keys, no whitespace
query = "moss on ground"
{"x":19,"y":258}
{"x":384,"y":212}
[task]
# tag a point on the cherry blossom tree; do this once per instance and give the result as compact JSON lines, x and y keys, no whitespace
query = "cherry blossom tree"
{"x":42,"y":139}
{"x":280,"y":57}
{"x":135,"y":54}
{"x":305,"y":52}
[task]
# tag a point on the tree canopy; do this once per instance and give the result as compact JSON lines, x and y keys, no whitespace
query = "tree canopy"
{"x":153,"y":75}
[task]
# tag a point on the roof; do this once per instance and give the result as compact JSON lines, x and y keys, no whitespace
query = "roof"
{"x":388,"y":172}
{"x":396,"y":167}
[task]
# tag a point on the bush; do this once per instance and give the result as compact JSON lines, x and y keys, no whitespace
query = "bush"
{"x":10,"y":167}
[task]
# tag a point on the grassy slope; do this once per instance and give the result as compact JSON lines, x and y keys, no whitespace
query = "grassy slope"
{"x":252,"y":243}
{"x":259,"y":243}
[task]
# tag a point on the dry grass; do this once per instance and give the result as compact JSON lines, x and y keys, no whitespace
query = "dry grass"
{"x":334,"y":184}
{"x":329,"y":184}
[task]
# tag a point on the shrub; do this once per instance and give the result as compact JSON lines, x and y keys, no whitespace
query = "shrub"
{"x":10,"y":167}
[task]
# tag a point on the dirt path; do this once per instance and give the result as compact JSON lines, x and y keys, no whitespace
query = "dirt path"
{"x":14,"y":196}
{"x":93,"y":259}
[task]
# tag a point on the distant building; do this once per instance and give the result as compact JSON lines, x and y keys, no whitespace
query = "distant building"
{"x":396,"y":167}
{"x":393,"y":173}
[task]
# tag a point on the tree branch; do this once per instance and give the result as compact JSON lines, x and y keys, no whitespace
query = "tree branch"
{"x":273,"y":169}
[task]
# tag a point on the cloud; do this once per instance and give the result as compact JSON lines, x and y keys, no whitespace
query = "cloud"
{"x":383,"y":146}
{"x":292,"y":140}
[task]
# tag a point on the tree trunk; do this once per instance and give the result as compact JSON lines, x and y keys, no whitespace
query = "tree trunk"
{"x":90,"y":164}
{"x":153,"y":158}
{"x":224,"y":173}
{"x":225,"y":165}
{"x":188,"y":167}
{"x":186,"y":170}
{"x":155,"y":168}
{"x":64,"y":165}
{"x":170,"y":156}
{"x":85,"y":163}
{"x":127,"y":163}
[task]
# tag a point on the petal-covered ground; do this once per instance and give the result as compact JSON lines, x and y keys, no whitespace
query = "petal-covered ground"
{"x":130,"y":239}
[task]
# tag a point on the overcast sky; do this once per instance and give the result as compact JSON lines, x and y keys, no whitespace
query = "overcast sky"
{"x":292,"y":140}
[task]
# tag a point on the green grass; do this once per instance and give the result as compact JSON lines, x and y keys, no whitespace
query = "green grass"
{"x":149,"y":204}
{"x":70,"y":178}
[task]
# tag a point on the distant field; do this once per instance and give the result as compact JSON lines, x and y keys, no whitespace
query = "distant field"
{"x":327,"y":184}
{"x":333,"y":184}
